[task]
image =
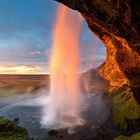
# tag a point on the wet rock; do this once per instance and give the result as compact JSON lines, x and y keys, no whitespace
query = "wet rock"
{"x":16,"y":120}
{"x":61,"y":136}
{"x":53,"y":132}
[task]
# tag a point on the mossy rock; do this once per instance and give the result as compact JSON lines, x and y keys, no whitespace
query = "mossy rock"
{"x":133,"y":137}
{"x":124,"y":107}
{"x":9,"y":130}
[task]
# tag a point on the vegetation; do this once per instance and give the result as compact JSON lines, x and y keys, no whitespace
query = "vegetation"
{"x":124,"y":107}
{"x":133,"y":137}
{"x":9,"y":130}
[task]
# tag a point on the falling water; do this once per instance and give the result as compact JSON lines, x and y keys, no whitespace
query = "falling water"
{"x":64,"y":102}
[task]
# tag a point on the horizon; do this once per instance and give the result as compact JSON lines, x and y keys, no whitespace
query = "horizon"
{"x":26,"y":37}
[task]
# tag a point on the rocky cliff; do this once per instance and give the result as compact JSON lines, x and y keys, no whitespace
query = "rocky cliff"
{"x":117,"y":24}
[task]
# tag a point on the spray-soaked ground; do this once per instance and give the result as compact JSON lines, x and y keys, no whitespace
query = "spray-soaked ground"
{"x":27,"y":108}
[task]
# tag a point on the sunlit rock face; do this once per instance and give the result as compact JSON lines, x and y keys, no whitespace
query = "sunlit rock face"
{"x":117,"y":24}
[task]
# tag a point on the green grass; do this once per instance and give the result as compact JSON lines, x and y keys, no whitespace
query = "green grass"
{"x":9,"y":130}
{"x":133,"y":137}
{"x":124,"y":106}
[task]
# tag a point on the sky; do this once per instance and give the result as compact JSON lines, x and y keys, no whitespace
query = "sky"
{"x":26,"y":36}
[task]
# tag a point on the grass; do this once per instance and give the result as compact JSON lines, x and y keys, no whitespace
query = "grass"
{"x":9,"y":130}
{"x":133,"y":137}
{"x":124,"y":107}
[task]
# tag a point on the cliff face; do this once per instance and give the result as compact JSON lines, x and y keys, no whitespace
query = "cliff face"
{"x":117,"y":24}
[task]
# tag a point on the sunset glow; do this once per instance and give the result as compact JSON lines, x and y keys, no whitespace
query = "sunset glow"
{"x":20,"y":70}
{"x":26,"y":37}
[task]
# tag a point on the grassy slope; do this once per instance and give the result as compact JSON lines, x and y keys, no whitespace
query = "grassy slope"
{"x":133,"y":137}
{"x":125,"y":112}
{"x":124,"y":107}
{"x":9,"y":130}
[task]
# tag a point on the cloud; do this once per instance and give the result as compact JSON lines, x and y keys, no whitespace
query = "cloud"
{"x":26,"y":36}
{"x":36,"y":53}
{"x":20,"y":69}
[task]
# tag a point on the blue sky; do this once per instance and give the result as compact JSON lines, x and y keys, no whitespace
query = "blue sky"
{"x":26,"y":31}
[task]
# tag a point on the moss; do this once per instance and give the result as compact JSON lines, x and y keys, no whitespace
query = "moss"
{"x":133,"y":137}
{"x":121,"y":138}
{"x":9,"y":130}
{"x":12,"y":138}
{"x":124,"y":107}
{"x":36,"y":139}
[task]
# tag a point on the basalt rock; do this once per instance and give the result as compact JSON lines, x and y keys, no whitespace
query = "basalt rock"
{"x":117,"y":24}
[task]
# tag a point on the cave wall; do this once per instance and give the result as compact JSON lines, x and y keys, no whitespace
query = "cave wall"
{"x":117,"y":24}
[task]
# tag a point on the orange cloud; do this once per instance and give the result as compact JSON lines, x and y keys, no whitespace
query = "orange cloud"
{"x":20,"y":70}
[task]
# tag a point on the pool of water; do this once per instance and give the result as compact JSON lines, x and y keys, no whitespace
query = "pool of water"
{"x":28,"y":109}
